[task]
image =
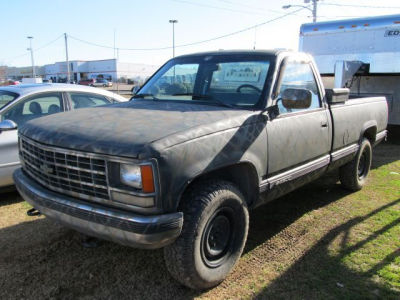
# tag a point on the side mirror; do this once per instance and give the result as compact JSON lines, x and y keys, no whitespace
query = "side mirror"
{"x":337,"y":95}
{"x":8,"y":125}
{"x":296,"y":98}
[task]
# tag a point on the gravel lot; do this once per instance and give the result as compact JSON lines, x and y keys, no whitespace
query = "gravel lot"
{"x":41,"y":259}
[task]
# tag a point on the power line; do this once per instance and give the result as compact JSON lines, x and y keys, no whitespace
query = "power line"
{"x":109,"y":47}
{"x":226,"y":8}
{"x":359,"y":6}
{"x":243,"y":5}
{"x":256,"y":8}
{"x":193,"y":43}
{"x":242,"y":30}
{"x":49,"y":43}
{"x":35,"y":50}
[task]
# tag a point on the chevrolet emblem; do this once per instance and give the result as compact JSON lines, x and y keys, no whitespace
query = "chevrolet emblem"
{"x":46,"y":169}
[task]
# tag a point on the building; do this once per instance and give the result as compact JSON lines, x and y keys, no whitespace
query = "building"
{"x":110,"y":69}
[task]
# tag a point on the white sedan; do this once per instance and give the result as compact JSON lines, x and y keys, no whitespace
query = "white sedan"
{"x":21,"y":103}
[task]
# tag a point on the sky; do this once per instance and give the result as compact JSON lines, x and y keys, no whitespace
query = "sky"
{"x":145,"y":25}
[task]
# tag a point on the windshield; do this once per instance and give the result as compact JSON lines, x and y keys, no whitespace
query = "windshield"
{"x":6,"y":98}
{"x":231,"y":81}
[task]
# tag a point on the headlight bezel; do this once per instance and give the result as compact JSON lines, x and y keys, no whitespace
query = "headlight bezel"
{"x":118,"y":188}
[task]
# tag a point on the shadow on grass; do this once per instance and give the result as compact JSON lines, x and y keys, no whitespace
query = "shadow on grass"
{"x":9,"y":197}
{"x":385,"y":153}
{"x":41,"y":259}
{"x":268,"y":220}
{"x":318,"y":274}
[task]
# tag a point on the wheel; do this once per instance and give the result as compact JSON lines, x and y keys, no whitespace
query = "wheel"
{"x":353,"y":175}
{"x":214,"y":232}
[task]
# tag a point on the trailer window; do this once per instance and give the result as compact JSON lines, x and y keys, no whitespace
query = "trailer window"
{"x":299,"y":75}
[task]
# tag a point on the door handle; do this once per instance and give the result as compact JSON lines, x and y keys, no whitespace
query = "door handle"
{"x":324,"y":124}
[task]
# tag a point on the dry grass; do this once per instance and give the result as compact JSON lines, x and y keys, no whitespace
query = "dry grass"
{"x":318,"y":242}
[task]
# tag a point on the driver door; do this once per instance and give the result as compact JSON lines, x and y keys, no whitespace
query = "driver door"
{"x":299,"y":140}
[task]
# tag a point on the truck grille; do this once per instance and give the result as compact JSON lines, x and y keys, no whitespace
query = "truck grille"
{"x":68,"y":172}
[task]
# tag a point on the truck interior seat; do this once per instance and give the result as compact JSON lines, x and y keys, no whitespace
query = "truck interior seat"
{"x":35,"y":108}
{"x":53,"y":109}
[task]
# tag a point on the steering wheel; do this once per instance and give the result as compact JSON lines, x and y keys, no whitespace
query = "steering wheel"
{"x":247,"y":86}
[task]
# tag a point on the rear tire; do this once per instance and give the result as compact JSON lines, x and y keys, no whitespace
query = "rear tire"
{"x":353,"y":175}
{"x":214,"y":233}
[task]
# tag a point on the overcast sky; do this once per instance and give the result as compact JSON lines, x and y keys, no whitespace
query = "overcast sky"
{"x":144,"y":24}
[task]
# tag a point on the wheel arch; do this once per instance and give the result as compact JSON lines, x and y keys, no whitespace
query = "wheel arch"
{"x":243,"y":175}
{"x":369,"y":131}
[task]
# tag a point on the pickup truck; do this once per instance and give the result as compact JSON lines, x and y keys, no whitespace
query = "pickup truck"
{"x":208,"y":137}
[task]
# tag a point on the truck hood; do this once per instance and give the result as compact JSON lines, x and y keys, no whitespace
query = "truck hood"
{"x":133,"y":129}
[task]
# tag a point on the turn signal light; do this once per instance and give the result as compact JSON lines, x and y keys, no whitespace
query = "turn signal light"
{"x":147,"y":179}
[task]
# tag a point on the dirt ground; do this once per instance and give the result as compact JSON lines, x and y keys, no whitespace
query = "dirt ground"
{"x":287,"y":241}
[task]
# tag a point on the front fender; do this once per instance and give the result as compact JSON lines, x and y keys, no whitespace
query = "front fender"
{"x":181,"y":164}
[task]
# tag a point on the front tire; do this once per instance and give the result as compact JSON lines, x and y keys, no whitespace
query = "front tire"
{"x":353,"y":175}
{"x":214,"y":233}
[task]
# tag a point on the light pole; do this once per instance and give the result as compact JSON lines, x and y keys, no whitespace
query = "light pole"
{"x":313,"y":10}
{"x":31,"y":49}
{"x":173,"y":36}
{"x":66,"y":56}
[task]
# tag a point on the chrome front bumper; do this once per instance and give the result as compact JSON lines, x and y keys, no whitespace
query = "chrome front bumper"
{"x":122,"y":227}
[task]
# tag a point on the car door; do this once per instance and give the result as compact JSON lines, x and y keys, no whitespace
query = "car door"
{"x":82,"y":100}
{"x":23,"y":110}
{"x":299,"y":140}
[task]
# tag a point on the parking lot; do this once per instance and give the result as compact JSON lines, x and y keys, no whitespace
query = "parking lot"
{"x":313,"y":243}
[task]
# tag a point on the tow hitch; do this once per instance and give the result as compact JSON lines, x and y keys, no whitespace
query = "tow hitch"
{"x":33,"y":212}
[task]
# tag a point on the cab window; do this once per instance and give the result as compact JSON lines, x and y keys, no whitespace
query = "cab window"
{"x":299,"y":75}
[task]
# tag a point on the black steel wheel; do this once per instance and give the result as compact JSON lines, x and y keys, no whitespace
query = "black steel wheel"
{"x":353,"y":175}
{"x":214,"y":233}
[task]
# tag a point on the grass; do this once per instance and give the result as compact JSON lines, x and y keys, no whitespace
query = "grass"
{"x":319,"y":242}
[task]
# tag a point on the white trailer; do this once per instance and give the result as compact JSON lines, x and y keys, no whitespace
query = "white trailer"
{"x":365,"y":52}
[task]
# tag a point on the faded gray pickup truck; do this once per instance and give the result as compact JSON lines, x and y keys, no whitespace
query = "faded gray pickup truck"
{"x":207,"y":138}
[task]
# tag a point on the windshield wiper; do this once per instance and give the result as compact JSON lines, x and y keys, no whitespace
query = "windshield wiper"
{"x":141,"y":96}
{"x":206,"y":97}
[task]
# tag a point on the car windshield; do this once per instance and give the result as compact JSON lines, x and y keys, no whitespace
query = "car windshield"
{"x":6,"y":98}
{"x":226,"y":80}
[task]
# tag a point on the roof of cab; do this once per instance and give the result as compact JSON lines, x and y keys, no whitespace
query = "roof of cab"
{"x":26,"y":89}
{"x":272,"y":52}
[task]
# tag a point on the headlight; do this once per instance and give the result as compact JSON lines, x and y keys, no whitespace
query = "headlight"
{"x":131,"y":175}
{"x":138,"y":176}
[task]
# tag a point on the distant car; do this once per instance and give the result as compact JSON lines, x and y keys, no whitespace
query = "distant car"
{"x":102,"y":82}
{"x":11,"y":82}
{"x":87,"y":82}
{"x":21,"y":103}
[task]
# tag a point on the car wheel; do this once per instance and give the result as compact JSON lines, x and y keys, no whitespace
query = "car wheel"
{"x":214,"y":232}
{"x":353,"y":175}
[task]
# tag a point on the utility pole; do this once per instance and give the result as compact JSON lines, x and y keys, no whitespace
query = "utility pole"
{"x":313,"y":10}
{"x":114,"y":43}
{"x":66,"y":56}
{"x":173,"y":36}
{"x":31,"y":49}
